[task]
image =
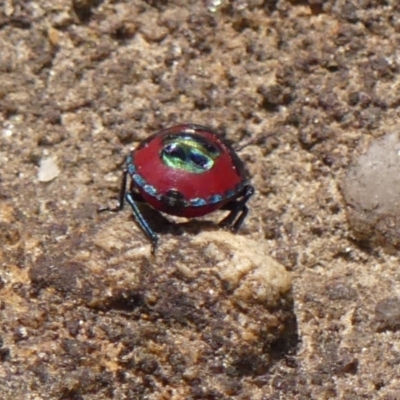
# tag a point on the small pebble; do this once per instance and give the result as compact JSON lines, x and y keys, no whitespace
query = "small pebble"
{"x":48,"y":170}
{"x":371,"y":190}
{"x":387,"y":314}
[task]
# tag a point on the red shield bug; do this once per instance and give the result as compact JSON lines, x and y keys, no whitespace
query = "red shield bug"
{"x":188,"y":171}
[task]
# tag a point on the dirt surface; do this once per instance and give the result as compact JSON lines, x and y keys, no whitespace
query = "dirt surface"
{"x":83,"y":82}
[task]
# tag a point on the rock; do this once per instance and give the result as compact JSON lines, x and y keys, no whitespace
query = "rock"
{"x":213,"y":303}
{"x":371,"y":190}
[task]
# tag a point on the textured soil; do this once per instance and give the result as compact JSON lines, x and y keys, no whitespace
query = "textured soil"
{"x":85,"y":311}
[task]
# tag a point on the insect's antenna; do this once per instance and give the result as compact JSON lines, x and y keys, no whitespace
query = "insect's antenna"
{"x":257,"y":140}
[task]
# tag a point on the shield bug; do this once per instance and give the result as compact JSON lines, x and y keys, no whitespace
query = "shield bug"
{"x":189,"y":171}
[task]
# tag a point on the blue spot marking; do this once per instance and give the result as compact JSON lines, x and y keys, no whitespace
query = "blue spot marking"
{"x":129,"y":160}
{"x":197,"y":202}
{"x":131,"y":169}
{"x":215,"y":198}
{"x":138,"y":180}
{"x":151,"y":190}
{"x":229,"y":193}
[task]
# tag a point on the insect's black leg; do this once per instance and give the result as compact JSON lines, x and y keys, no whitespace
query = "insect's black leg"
{"x":129,"y":196}
{"x":121,"y":198}
{"x":237,"y":207}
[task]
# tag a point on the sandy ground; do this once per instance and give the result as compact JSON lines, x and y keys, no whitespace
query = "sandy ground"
{"x":86,"y":312}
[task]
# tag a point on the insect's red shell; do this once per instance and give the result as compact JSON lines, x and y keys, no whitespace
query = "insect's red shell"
{"x":224,"y":178}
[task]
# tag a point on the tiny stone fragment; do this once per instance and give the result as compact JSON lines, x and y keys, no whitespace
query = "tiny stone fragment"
{"x":48,"y":170}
